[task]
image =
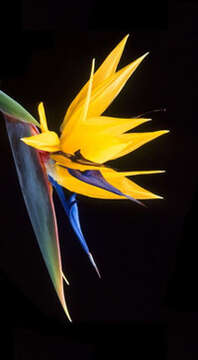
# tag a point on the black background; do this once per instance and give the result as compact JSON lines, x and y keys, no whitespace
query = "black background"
{"x":147,"y":299}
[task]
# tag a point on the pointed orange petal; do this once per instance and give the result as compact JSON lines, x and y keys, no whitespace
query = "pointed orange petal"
{"x":46,"y":141}
{"x":102,"y":96}
{"x":127,"y":186}
{"x":107,"y":68}
{"x":135,"y":140}
{"x":42,"y":116}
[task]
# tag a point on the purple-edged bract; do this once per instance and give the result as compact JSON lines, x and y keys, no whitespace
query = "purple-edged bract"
{"x":76,"y":159}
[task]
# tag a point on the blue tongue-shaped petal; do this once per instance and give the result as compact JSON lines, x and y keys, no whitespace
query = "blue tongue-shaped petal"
{"x":94,"y":177}
{"x":71,"y":209}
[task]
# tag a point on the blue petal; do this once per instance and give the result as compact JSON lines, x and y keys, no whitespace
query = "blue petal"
{"x":94,"y":177}
{"x":71,"y":209}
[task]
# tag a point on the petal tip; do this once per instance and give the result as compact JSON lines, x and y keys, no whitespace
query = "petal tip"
{"x":94,"y":265}
{"x":124,"y":40}
{"x":126,"y":37}
{"x":143,"y":56}
{"x":163,"y":132}
{"x":40,"y":104}
{"x":159,"y":197}
{"x":24,"y":139}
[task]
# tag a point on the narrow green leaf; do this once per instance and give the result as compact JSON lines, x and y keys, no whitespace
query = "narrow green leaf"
{"x":11,"y":107}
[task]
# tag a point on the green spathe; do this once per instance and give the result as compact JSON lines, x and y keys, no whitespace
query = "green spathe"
{"x":11,"y":107}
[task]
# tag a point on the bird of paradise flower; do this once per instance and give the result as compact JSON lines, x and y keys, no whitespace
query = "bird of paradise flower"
{"x":76,"y":159}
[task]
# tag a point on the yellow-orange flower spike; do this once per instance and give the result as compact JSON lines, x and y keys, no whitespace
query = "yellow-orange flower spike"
{"x":89,"y":139}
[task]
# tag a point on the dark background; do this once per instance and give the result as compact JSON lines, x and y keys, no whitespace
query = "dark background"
{"x":147,"y":299}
